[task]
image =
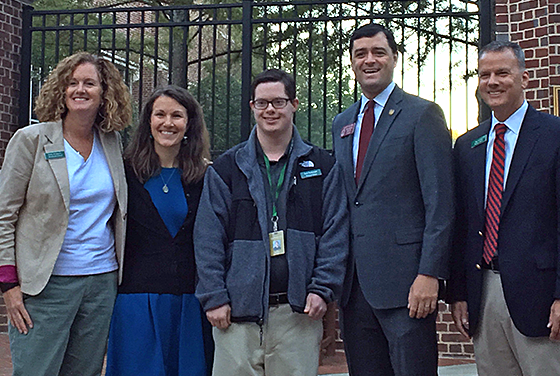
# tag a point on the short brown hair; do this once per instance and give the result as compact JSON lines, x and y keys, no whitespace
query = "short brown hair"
{"x":275,"y":75}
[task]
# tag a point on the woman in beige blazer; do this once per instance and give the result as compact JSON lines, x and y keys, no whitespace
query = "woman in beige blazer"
{"x":63,"y":200}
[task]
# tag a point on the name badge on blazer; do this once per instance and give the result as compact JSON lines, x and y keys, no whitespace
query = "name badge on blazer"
{"x":54,"y":155}
{"x":479,"y":141}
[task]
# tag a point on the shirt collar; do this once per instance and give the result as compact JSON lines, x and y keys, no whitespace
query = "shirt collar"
{"x":381,"y":99}
{"x":260,"y":152}
{"x":513,"y":123}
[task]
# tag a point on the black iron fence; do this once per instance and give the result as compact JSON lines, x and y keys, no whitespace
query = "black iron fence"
{"x":215,"y":50}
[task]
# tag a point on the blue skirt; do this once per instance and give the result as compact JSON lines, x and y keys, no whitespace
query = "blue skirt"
{"x":156,"y":335}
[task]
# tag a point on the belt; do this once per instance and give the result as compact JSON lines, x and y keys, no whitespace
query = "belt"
{"x":493,"y":265}
{"x":277,"y":299}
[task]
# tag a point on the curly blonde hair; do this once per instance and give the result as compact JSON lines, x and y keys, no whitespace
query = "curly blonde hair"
{"x":115,"y":112}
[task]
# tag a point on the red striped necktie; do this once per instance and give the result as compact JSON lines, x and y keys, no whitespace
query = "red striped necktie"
{"x":494,"y":198}
{"x":365,"y":135}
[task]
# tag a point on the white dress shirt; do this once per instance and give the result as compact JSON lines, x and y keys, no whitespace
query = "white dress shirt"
{"x":379,"y":104}
{"x":513,"y":126}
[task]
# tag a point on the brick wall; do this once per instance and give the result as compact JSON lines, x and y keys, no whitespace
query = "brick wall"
{"x":451,"y":344}
{"x":10,"y":43}
{"x":535,"y":25}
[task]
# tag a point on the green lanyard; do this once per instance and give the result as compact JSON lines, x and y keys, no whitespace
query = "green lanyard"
{"x":275,"y":192}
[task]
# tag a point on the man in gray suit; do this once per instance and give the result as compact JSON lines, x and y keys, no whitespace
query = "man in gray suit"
{"x":395,"y":150}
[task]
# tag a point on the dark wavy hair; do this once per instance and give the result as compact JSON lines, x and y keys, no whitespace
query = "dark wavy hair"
{"x":371,"y":30}
{"x":115,"y":112}
{"x":194,"y":154}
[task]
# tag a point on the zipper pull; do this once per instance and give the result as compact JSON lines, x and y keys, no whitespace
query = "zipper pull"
{"x":295,"y":181}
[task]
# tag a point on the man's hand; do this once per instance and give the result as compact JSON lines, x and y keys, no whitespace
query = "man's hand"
{"x":422,"y":298}
{"x":220,"y":317}
{"x":315,"y":306}
{"x":554,"y":321}
{"x":18,"y":315}
{"x":461,"y":317}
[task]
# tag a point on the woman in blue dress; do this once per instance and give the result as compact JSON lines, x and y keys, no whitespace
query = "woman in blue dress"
{"x":158,"y":327}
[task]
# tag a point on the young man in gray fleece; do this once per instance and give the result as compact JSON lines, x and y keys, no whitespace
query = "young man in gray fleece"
{"x":271,"y":242}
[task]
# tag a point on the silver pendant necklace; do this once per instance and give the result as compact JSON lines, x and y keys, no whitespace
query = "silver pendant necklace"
{"x":165,"y":188}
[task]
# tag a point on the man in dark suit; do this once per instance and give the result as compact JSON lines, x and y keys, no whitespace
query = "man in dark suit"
{"x":395,"y":152}
{"x":505,"y":285}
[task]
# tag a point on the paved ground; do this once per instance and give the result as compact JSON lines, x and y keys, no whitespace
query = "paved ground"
{"x":456,"y":370}
{"x":335,"y":366}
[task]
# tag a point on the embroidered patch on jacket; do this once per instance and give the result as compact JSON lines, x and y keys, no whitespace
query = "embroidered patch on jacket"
{"x":307,"y":164}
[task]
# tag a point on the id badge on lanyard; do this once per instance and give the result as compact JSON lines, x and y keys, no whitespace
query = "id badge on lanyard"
{"x":276,"y":237}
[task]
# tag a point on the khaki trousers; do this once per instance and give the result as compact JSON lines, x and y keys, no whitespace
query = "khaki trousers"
{"x":500,"y":349}
{"x":290,"y":346}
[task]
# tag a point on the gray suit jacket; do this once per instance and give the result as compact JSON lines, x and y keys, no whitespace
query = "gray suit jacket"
{"x":402,"y":209}
{"x":35,"y":201}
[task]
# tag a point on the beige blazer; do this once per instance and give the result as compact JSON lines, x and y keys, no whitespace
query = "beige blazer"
{"x":35,"y":201}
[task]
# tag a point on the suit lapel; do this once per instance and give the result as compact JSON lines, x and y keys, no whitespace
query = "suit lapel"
{"x":478,"y":167}
{"x":55,"y":144}
{"x":345,"y":155}
{"x":112,"y":151}
{"x":390,"y":112}
{"x":526,"y":140}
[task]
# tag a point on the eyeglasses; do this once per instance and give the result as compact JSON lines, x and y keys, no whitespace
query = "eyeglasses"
{"x":278,"y":103}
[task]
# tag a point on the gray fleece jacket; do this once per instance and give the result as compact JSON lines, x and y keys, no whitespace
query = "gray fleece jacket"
{"x":231,"y":232}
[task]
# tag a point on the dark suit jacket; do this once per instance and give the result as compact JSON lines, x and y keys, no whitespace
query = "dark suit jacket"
{"x":402,"y":209}
{"x":528,"y":235}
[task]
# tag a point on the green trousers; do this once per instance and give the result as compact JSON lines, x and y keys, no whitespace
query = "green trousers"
{"x":71,"y":318}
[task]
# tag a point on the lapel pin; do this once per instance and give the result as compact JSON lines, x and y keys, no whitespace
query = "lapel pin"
{"x":391,"y":112}
{"x":347,"y":130}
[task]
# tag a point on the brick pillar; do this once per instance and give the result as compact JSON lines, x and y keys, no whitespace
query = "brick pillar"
{"x":451,"y":344}
{"x":10,"y":43}
{"x":535,"y":25}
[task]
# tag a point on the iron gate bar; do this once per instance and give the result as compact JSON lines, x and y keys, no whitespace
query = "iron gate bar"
{"x":228,"y":81}
{"x":246,"y":68}
{"x":25,"y":78}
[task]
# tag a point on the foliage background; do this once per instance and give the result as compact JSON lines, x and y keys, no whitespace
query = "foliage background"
{"x":199,"y":45}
